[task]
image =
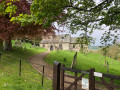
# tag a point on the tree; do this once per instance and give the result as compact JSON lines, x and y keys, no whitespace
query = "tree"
{"x":46,"y":12}
{"x":11,"y":9}
{"x":49,"y":11}
{"x":43,"y":12}
{"x":77,"y":14}
{"x":84,"y":41}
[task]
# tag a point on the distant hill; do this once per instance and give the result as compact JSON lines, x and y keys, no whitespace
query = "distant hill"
{"x":94,"y":47}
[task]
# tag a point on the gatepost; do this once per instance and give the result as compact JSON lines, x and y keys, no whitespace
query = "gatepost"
{"x":56,"y":75}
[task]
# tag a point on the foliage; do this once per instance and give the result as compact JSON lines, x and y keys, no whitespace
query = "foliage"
{"x":84,"y":15}
{"x":77,"y":14}
{"x":9,"y":9}
{"x":114,"y":52}
{"x":43,"y":12}
{"x":84,"y":41}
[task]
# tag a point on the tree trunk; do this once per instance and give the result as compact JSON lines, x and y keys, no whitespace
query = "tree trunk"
{"x":1,"y":44}
{"x":8,"y":45}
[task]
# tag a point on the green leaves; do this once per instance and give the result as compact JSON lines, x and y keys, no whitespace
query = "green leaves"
{"x":23,"y":19}
{"x":84,"y":15}
{"x":112,"y":17}
{"x":11,"y":10}
{"x":7,"y":7}
{"x":10,"y":3}
{"x":48,"y":11}
{"x":2,"y":9}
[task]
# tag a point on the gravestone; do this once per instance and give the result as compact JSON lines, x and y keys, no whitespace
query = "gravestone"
{"x":20,"y":43}
{"x":65,"y":59}
{"x":16,"y":42}
{"x":33,"y":45}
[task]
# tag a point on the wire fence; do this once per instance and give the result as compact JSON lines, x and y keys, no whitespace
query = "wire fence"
{"x":19,"y":69}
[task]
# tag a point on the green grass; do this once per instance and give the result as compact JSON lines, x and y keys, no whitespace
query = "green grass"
{"x":84,"y":62}
{"x":9,"y":70}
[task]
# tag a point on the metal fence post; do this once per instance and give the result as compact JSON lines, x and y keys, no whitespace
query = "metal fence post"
{"x":42,"y":75}
{"x":62,"y":77}
{"x":91,"y":79}
{"x":56,"y":75}
{"x":20,"y":68}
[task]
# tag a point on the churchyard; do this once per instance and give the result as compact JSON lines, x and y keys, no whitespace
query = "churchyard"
{"x":25,"y":64}
{"x":10,"y":65}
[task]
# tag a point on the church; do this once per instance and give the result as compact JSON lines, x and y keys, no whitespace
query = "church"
{"x":60,"y":42}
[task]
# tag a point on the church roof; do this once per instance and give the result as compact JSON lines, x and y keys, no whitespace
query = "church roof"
{"x":64,"y":38}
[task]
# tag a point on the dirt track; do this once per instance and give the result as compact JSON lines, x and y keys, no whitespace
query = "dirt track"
{"x":38,"y":60}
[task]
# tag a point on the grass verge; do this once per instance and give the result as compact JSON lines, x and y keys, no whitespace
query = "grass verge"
{"x":9,"y":70}
{"x":85,"y":62}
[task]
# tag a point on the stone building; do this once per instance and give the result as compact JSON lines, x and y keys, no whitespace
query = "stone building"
{"x":60,"y":42}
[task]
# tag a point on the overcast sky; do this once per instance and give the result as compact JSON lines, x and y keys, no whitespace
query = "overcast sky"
{"x":96,"y":34}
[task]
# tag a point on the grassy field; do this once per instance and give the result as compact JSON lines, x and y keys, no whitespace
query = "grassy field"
{"x":84,"y":62}
{"x":9,"y":70}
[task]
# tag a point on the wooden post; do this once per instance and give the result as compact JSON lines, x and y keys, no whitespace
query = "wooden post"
{"x":75,"y":79}
{"x":107,"y":67}
{"x":20,"y":68}
{"x":62,"y":77}
{"x":42,"y":75}
{"x":112,"y":84}
{"x":91,"y":79}
{"x":56,"y":75}
{"x":74,"y":61}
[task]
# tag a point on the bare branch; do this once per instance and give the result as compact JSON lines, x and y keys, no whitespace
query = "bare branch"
{"x":102,"y":4}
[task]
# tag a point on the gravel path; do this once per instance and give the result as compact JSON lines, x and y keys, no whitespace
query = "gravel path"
{"x":38,"y":60}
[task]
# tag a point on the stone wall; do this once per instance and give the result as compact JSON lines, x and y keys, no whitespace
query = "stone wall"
{"x":61,"y":46}
{"x":75,"y":47}
{"x":65,"y":46}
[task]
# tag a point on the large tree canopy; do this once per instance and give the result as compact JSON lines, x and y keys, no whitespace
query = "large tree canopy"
{"x":77,"y":14}
{"x":9,"y":9}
